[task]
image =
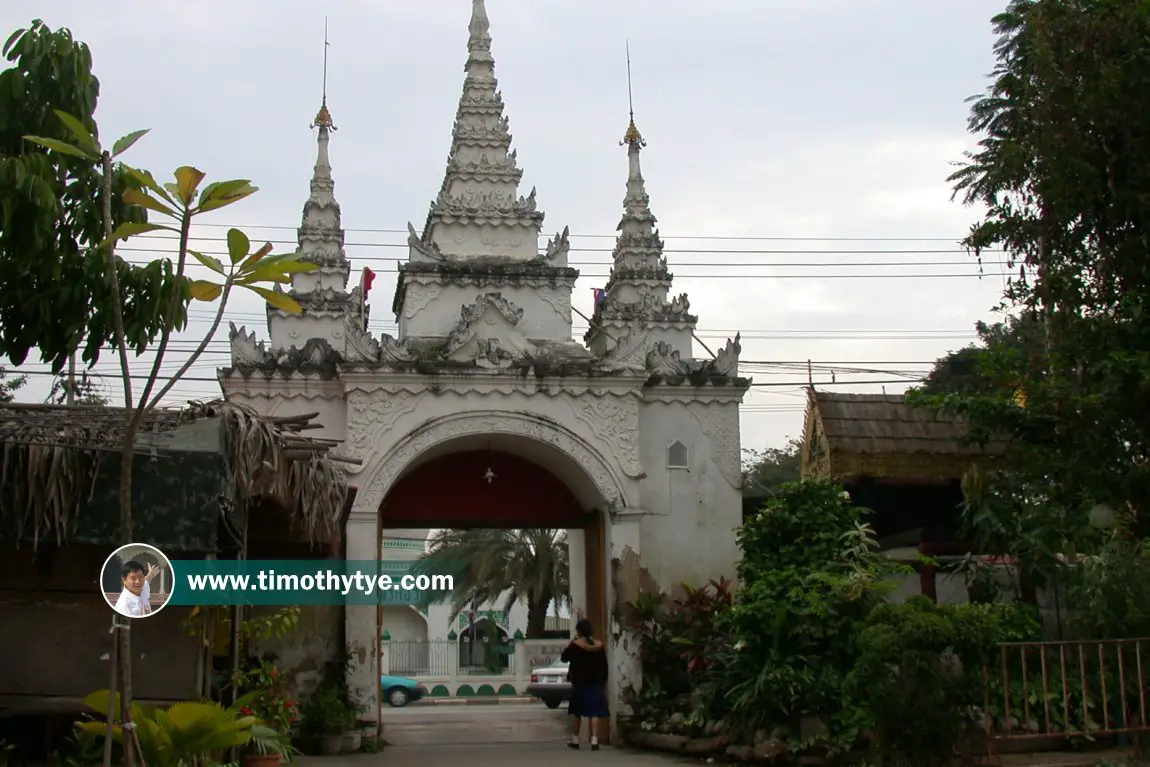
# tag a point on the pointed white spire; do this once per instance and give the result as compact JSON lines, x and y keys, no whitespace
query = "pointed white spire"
{"x":481,"y":184}
{"x":638,"y":288}
{"x":321,"y":234}
{"x":479,"y":39}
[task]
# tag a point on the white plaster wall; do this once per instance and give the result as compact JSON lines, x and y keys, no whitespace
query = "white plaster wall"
{"x":291,"y":330}
{"x":296,"y":398}
{"x":405,"y":624}
{"x":603,"y":420}
{"x":336,"y":279}
{"x":433,"y":310}
{"x":689,"y":531}
{"x":468,"y":239}
{"x":680,"y":338}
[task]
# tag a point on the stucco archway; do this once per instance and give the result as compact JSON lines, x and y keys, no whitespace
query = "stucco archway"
{"x":580,"y":467}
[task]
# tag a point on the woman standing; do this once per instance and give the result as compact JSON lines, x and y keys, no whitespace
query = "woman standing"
{"x":587,"y":674}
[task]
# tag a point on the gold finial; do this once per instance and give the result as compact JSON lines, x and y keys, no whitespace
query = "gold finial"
{"x":632,"y":137}
{"x":323,"y":116}
{"x":323,"y":119}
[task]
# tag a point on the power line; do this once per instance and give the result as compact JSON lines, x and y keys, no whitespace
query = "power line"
{"x":665,"y":237}
{"x":674,"y":264}
{"x":717,"y":251}
{"x":205,"y":379}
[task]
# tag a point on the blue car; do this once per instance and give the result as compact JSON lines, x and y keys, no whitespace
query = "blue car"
{"x":398,"y":691}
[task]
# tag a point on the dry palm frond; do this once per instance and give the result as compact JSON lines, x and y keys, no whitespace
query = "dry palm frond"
{"x":52,"y":456}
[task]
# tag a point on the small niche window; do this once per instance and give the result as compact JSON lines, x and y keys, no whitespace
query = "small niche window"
{"x":677,"y":455}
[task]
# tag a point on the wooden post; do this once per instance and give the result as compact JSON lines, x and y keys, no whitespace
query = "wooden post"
{"x":594,"y":547}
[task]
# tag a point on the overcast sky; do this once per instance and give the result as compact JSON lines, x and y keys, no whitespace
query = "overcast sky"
{"x":793,"y":144}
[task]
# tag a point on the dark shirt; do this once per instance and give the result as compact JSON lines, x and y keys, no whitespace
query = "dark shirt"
{"x":588,"y":667}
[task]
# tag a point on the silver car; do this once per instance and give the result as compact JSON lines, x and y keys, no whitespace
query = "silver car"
{"x":550,"y":684}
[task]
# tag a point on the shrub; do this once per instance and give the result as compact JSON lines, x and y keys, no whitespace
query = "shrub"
{"x":810,"y":575}
{"x":917,"y":678}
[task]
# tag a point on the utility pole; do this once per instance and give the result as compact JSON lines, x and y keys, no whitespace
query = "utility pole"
{"x":70,"y":393}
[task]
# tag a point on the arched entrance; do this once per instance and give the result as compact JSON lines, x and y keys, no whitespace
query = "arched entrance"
{"x":481,"y":488}
{"x":504,"y":471}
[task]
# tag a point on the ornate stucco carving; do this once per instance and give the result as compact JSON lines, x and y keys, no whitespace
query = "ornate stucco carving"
{"x":359,"y":345}
{"x":490,"y":301}
{"x":387,"y":468}
{"x":615,"y":420}
{"x":665,"y":362}
{"x":719,"y":422}
{"x":649,"y":308}
{"x":628,"y":356}
{"x":558,"y":247}
{"x":246,"y":351}
{"x":425,"y":248}
{"x":560,"y":304}
{"x":316,"y":357}
{"x":395,"y":352}
{"x":726,"y":362}
{"x":486,"y":204}
{"x":415,"y":301}
{"x":487,"y":334}
{"x":370,"y":414}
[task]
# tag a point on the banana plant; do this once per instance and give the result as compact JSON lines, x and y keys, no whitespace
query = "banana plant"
{"x":181,"y":735}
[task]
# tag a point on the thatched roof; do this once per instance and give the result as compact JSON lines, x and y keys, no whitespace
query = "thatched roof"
{"x":53,"y":455}
{"x":882,"y":435}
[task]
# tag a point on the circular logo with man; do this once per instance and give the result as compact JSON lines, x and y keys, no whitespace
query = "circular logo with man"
{"x":137,"y":580}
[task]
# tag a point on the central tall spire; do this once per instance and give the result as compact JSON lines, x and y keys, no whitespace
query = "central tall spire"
{"x":479,"y":199}
{"x":476,"y":271}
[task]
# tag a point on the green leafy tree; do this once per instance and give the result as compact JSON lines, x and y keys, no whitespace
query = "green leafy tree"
{"x":764,"y":470}
{"x":504,"y":566}
{"x":54,"y":291}
{"x":9,"y":386}
{"x":1063,"y":171}
{"x":179,"y":202}
{"x":84,"y":389}
{"x":971,"y":370}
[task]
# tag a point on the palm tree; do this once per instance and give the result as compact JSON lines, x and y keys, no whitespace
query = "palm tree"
{"x":528,"y":565}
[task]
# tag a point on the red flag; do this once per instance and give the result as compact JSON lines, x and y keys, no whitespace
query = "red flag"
{"x":368,"y":278}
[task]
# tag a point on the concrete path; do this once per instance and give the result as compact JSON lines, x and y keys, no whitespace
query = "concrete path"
{"x":436,"y":725}
{"x":504,"y":755}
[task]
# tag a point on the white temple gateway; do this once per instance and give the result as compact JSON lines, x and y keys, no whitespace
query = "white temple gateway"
{"x":483,"y":411}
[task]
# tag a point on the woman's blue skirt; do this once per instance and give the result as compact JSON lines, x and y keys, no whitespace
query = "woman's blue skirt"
{"x":589,"y":701}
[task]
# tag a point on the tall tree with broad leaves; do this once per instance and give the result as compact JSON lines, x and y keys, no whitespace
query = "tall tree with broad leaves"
{"x":1062,"y":170}
{"x":764,"y":470}
{"x":134,"y":319}
{"x":9,"y":385}
{"x":970,"y":370}
{"x":503,"y":567}
{"x":54,"y":290}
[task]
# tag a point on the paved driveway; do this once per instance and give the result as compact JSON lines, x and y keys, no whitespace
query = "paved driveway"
{"x":502,"y":755}
{"x":427,"y":735}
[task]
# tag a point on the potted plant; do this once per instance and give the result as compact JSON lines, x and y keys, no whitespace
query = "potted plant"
{"x":267,"y":748}
{"x":332,"y":717}
{"x":267,"y":701}
{"x":352,"y":736}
